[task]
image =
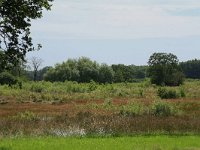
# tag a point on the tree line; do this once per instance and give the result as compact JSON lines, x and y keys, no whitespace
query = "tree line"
{"x":85,"y":70}
{"x":191,"y":68}
{"x":162,"y":68}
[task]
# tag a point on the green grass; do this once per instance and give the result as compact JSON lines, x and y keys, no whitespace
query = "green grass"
{"x":116,"y":143}
{"x":67,"y":91}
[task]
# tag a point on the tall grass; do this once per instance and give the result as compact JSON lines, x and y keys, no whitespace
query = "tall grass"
{"x":67,"y":91}
{"x":124,"y":108}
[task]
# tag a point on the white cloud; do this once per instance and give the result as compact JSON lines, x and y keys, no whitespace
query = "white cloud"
{"x":115,"y":19}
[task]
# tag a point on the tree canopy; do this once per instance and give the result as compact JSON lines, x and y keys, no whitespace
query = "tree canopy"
{"x":85,"y":70}
{"x":191,"y":68}
{"x":15,"y":23}
{"x":164,"y":69}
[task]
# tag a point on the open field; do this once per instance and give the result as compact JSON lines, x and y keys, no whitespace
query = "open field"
{"x":118,"y":143}
{"x":72,"y":109}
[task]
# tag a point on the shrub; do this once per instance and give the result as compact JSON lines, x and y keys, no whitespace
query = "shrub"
{"x":107,"y":102}
{"x":7,"y":78}
{"x":27,"y":115}
{"x":182,"y":93}
{"x":164,"y":93}
{"x":133,"y":109}
{"x":162,"y":109}
{"x":92,"y":86}
{"x":37,"y":87}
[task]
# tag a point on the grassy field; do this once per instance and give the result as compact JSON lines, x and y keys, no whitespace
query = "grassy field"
{"x":67,"y":91}
{"x":69,"y":108}
{"x":118,"y":143}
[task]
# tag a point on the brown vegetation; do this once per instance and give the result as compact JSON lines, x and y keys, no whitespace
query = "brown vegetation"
{"x":97,"y":117}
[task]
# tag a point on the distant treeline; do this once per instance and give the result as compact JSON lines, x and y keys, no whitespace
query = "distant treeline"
{"x":85,"y":70}
{"x":191,"y":69}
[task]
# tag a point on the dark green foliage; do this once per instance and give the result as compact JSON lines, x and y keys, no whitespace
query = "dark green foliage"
{"x":191,"y":68}
{"x":62,"y":72}
{"x":164,"y":70}
{"x":182,"y":93}
{"x":4,"y":148}
{"x":81,"y":70}
{"x":139,"y":72}
{"x":129,"y":73}
{"x":7,"y":78}
{"x":2,"y":61}
{"x":40,"y":74}
{"x":85,"y":70}
{"x":165,"y":93}
{"x":121,"y":73}
{"x":106,"y":74}
{"x":88,"y":70}
{"x":15,"y":23}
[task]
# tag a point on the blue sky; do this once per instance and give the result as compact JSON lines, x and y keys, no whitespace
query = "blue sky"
{"x":118,"y":31}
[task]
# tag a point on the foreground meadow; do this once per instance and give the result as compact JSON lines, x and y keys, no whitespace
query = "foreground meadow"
{"x":118,"y":143}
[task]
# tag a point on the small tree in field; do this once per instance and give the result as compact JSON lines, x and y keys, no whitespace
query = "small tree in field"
{"x":164,"y":69}
{"x":35,"y":63}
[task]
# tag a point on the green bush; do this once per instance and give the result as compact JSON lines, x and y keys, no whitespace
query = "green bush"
{"x":182,"y":93}
{"x":7,"y":78}
{"x":27,"y":115}
{"x":165,"y":93}
{"x":37,"y":87}
{"x":162,"y":109}
{"x":108,"y":102}
{"x":133,"y":109}
{"x":92,"y":86}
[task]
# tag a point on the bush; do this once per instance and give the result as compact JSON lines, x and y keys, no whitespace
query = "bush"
{"x":133,"y":109}
{"x":164,"y":93}
{"x":92,"y":86}
{"x":27,"y":115}
{"x":182,"y":93}
{"x":37,"y":87}
{"x":162,"y":109}
{"x":7,"y":78}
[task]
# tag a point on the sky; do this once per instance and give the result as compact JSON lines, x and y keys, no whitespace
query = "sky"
{"x":117,"y":31}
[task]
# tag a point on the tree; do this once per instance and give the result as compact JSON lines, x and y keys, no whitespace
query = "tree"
{"x":129,"y":73}
{"x":35,"y":63}
{"x":61,"y":72}
{"x":41,"y":72}
{"x":88,"y":69}
{"x":2,"y":61}
{"x":164,"y":69}
{"x":106,"y":74}
{"x":15,"y":23}
{"x":7,"y":78}
{"x":191,"y":68}
{"x":81,"y":70}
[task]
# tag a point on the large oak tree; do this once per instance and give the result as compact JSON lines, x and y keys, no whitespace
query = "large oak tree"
{"x":164,"y":69}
